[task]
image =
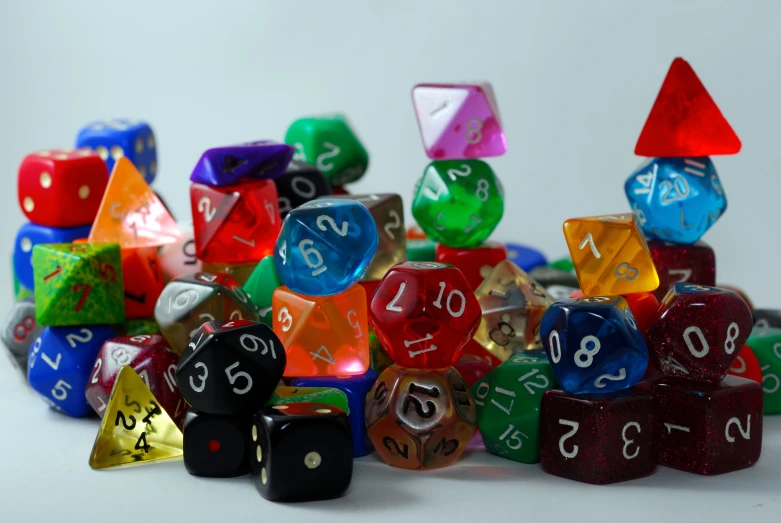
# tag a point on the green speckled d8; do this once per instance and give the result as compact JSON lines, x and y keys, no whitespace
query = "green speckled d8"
{"x":261,"y":286}
{"x":329,"y":144}
{"x":765,"y":342}
{"x":421,"y":250}
{"x":327,"y":395}
{"x":458,"y":202}
{"x":508,"y":406}
{"x":78,"y":284}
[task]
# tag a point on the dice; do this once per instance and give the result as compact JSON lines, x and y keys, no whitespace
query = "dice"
{"x":302,"y":452}
{"x":178,"y":258}
{"x":476,"y":263}
{"x":525,"y":257}
{"x":329,"y":144}
{"x":323,"y":335}
{"x":699,"y":333}
{"x":19,"y":331}
{"x":767,"y":318}
{"x":225,"y":166}
{"x":238,"y":271}
{"x":30,"y":235}
{"x":188,"y":302}
{"x":708,"y":428}
{"x":472,"y":368}
{"x":645,"y":309}
{"x":122,"y":137}
{"x":230,"y":367}
{"x":765,"y":342}
{"x":61,"y":188}
{"x":458,"y":202}
{"x":260,"y":287}
{"x":459,"y":120}
{"x":216,"y":446}
{"x":746,"y":365}
{"x":78,"y":284}
{"x":60,"y":365}
{"x":594,"y":344}
{"x":420,"y":419}
{"x":597,"y":439}
{"x":421,"y":250}
{"x":235,"y":224}
{"x":142,"y":278}
{"x":423,"y":314}
{"x":284,"y":395}
{"x":325,"y":246}
{"x":508,"y":406}
{"x":676,"y":263}
{"x":301,"y":183}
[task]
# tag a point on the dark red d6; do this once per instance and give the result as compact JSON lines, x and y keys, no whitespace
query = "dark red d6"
{"x":682,"y":263}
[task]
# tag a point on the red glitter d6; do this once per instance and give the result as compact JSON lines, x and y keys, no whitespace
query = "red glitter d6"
{"x":475,"y":263}
{"x":708,"y":428}
{"x":597,"y":439}
{"x":699,"y":333}
{"x":680,"y":263}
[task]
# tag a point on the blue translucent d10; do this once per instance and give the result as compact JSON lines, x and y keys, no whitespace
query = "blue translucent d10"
{"x":676,"y":199}
{"x":60,"y":364}
{"x":325,"y":246}
{"x":524,"y":256}
{"x":594,"y":344}
{"x":356,"y":388}
{"x":113,"y":139}
{"x":30,"y":235}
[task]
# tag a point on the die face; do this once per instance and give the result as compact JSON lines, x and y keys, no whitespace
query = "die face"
{"x":224,"y":166}
{"x":708,"y":428}
{"x":525,"y":257}
{"x":610,"y":255}
{"x":301,"y":452}
{"x":216,"y":446}
{"x":260,"y":288}
{"x":60,"y":362}
{"x":747,"y":366}
{"x":458,"y":121}
{"x":30,"y":235}
{"x":594,"y":344}
{"x":20,"y":329}
{"x":699,"y":333}
{"x":765,"y":342}
{"x":458,"y":202}
{"x":238,"y":271}
{"x":421,"y":250}
{"x":61,"y":188}
{"x":597,"y":439}
{"x":474,"y":263}
{"x":230,"y":367}
{"x":695,"y":263}
{"x":284,"y":395}
{"x":676,"y":199}
{"x":179,"y":258}
{"x":423,"y":313}
{"x":142,"y":281}
{"x":325,"y":246}
{"x":301,"y":183}
{"x":508,"y":406}
{"x":122,"y":137}
{"x":323,"y":336}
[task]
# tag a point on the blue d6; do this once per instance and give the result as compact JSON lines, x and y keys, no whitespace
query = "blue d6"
{"x":113,"y":139}
{"x":30,"y":235}
{"x":325,"y":246}
{"x":356,"y":388}
{"x":60,"y":364}
{"x":594,"y":344}
{"x":676,"y":199}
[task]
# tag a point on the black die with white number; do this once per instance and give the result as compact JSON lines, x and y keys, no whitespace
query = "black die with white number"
{"x":302,"y":182}
{"x":216,"y":446}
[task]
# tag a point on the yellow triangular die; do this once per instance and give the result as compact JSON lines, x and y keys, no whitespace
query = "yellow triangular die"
{"x":135,"y":429}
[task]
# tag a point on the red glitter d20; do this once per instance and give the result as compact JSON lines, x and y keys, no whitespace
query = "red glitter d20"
{"x":684,"y":120}
{"x":708,"y":428}
{"x":475,"y":263}
{"x":598,"y":439}
{"x":682,"y":263}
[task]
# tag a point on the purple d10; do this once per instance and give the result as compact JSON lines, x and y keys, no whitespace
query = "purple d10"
{"x":223,"y":166}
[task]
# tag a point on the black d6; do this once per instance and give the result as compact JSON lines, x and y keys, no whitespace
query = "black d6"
{"x":216,"y":446}
{"x":230,"y":367}
{"x":302,"y":451}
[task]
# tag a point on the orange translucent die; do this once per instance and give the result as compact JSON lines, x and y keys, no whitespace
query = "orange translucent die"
{"x":610,"y":255}
{"x":131,"y":214}
{"x":143,"y":281}
{"x":322,"y":335}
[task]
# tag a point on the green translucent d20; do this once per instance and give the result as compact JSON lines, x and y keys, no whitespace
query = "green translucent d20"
{"x":283,"y":395}
{"x":458,"y":202}
{"x":765,"y":342}
{"x":508,"y":406}
{"x":421,"y":250}
{"x":78,"y":284}
{"x":329,"y":144}
{"x":261,"y":285}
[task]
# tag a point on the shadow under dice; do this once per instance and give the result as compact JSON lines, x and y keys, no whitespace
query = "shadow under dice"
{"x":420,"y":419}
{"x":699,"y":333}
{"x":594,"y":344}
{"x":677,"y":263}
{"x":225,"y":166}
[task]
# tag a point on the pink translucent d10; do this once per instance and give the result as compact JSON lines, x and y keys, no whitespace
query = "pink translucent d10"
{"x":458,"y":121}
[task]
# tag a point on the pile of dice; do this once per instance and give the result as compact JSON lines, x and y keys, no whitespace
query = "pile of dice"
{"x":295,"y":326}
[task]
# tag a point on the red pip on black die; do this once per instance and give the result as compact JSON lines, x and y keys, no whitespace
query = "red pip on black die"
{"x":216,"y":446}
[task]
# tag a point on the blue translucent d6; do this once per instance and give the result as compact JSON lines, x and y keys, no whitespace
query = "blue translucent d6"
{"x":594,"y":344}
{"x":60,"y":363}
{"x":113,"y":139}
{"x":30,"y":235}
{"x":356,"y":388}
{"x":525,"y":257}
{"x":325,"y":246}
{"x":676,"y":199}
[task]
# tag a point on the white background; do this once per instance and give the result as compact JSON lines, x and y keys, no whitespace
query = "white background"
{"x":574,"y":81}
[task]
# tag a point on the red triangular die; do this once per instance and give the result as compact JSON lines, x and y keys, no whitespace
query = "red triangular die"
{"x":685,"y":121}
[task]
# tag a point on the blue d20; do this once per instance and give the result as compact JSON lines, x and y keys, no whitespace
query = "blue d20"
{"x":30,"y":235}
{"x":525,"y":257}
{"x":113,"y":139}
{"x":356,"y":388}
{"x":676,"y":199}
{"x":261,"y":160}
{"x":325,"y":246}
{"x":593,"y":344}
{"x":60,"y":363}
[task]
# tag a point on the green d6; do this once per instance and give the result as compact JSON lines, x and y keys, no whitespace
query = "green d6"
{"x":78,"y":284}
{"x":329,"y":144}
{"x":421,"y":250}
{"x":283,"y":395}
{"x":765,"y":342}
{"x":458,"y":202}
{"x":508,"y":406}
{"x":261,"y":286}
